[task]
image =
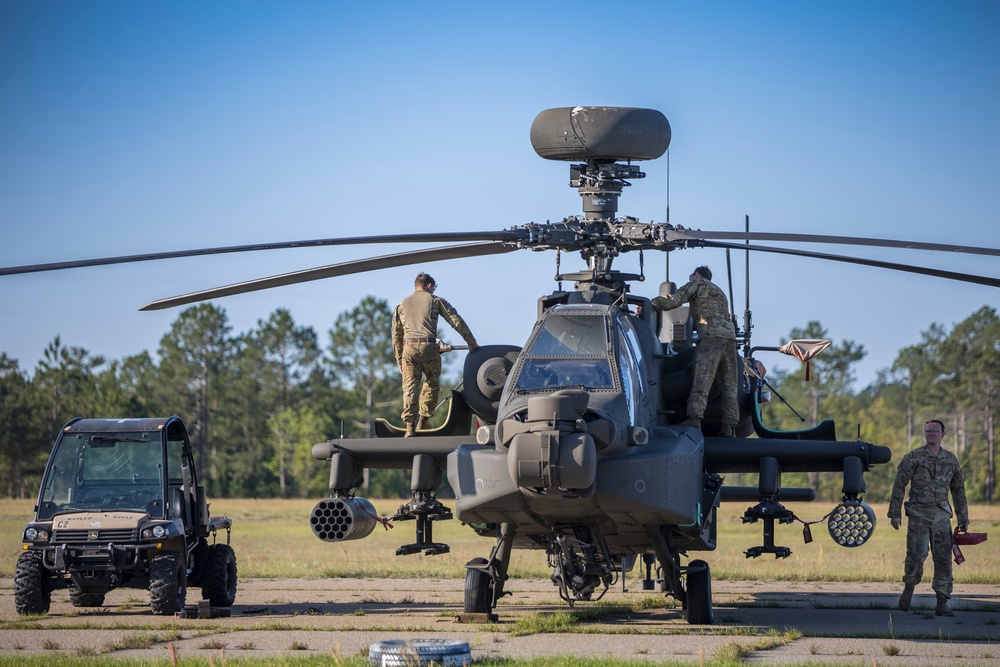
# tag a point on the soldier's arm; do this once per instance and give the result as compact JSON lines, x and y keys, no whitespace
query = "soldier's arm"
{"x":397,"y":337}
{"x":958,"y":494}
{"x":903,"y":475}
{"x":455,"y":320}
{"x":678,"y":298}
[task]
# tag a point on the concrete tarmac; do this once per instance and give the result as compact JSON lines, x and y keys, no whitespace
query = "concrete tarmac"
{"x":778,"y":623}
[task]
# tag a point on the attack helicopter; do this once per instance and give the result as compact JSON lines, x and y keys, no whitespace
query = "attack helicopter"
{"x":579,"y":451}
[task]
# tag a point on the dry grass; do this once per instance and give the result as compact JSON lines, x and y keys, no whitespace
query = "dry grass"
{"x":272,"y":538}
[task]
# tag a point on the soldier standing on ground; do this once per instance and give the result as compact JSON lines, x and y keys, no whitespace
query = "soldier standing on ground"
{"x":715,"y":360}
{"x":931,"y":473}
{"x":414,"y":342}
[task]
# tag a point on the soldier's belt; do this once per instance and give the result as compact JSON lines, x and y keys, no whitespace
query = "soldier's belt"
{"x":409,"y":341}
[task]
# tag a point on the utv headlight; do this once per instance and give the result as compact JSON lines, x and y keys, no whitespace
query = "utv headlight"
{"x":32,"y":534}
{"x":155,"y":532}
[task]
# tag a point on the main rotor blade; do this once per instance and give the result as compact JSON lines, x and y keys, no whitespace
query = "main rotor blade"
{"x":346,"y":268}
{"x":426,"y":237}
{"x":937,"y":273}
{"x":843,"y":240}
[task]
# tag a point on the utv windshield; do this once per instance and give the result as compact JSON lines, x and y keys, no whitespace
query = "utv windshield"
{"x":104,"y":471}
{"x":569,"y":351}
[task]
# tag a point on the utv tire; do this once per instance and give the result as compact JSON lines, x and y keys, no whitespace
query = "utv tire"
{"x":81,"y":599}
{"x":478,"y":589}
{"x":219,"y":577}
{"x":167,"y":583}
{"x":30,"y":596}
{"x":699,"y":593}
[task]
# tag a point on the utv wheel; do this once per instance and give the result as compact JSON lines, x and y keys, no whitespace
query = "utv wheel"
{"x":81,"y":599}
{"x":219,"y":578}
{"x":699,"y":593}
{"x":478,"y":589}
{"x":167,"y":583}
{"x":30,"y":596}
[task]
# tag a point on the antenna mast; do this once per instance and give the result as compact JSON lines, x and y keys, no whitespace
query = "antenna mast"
{"x":747,"y":317}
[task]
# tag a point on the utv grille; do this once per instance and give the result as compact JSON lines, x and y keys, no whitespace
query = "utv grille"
{"x":96,"y":536}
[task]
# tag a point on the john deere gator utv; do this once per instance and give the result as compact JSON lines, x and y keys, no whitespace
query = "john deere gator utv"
{"x":120,"y":506}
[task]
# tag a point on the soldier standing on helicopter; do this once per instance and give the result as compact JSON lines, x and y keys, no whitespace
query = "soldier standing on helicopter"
{"x":931,"y":472}
{"x":414,"y":342}
{"x":715,"y":360}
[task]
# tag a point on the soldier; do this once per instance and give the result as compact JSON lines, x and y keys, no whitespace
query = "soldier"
{"x":931,"y":472}
{"x":414,"y":341}
{"x":715,"y":360}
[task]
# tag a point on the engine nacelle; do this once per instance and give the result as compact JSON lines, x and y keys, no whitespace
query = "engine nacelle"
{"x":341,"y":519}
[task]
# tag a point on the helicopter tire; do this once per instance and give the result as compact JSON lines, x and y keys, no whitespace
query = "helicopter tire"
{"x":219,"y":579}
{"x":80,"y":599}
{"x":30,"y":596}
{"x":699,"y":593}
{"x":478,"y":589}
{"x":167,"y":583}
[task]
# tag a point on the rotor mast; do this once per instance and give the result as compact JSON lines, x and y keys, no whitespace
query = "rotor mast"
{"x":602,"y":142}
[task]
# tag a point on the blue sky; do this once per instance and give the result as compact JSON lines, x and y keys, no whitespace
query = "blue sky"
{"x":135,"y":127}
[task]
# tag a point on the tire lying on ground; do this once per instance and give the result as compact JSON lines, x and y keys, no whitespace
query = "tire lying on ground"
{"x":444,"y":652}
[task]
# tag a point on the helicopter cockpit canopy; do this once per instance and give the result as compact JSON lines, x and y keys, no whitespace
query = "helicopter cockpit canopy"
{"x":568,"y":350}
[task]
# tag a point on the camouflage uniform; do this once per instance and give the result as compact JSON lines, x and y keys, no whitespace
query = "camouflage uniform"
{"x":929,"y":513}
{"x":414,"y":336}
{"x":715,"y":360}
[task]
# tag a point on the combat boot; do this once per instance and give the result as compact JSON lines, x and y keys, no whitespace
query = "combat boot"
{"x":906,"y":598}
{"x":727,"y":431}
{"x":692,"y":421}
{"x":424,"y":423}
{"x":411,"y":429}
{"x":942,"y":607}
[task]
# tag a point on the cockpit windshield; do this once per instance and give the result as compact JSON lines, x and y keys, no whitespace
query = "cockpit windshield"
{"x":119,"y":471}
{"x":572,"y":335}
{"x":569,"y":351}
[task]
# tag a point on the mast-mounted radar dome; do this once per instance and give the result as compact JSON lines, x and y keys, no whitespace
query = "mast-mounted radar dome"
{"x":600,"y":133}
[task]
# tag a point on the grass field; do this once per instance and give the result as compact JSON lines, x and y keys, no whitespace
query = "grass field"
{"x":272,"y":538}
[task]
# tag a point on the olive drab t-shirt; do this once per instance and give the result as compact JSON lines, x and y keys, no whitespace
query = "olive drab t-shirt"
{"x":930,"y":478}
{"x":709,"y":308}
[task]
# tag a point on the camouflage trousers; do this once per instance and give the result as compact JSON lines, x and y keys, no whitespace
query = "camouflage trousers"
{"x":420,"y":359}
{"x":935,"y":533}
{"x":715,"y":361}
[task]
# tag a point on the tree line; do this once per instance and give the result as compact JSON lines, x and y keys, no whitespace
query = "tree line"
{"x":952,"y":375}
{"x":256,"y":402}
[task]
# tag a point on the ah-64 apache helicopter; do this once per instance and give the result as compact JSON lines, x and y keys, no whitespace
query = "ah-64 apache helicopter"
{"x":579,"y":452}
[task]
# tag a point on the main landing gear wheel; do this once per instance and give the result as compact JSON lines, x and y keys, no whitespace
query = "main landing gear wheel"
{"x":699,"y":593}
{"x":478,"y":589}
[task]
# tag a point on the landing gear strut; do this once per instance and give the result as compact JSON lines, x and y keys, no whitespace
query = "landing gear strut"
{"x":485,"y":578}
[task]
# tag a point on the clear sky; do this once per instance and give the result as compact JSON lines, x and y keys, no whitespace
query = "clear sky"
{"x":130,"y":127}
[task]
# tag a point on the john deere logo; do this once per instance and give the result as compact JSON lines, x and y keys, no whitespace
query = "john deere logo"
{"x":92,"y":535}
